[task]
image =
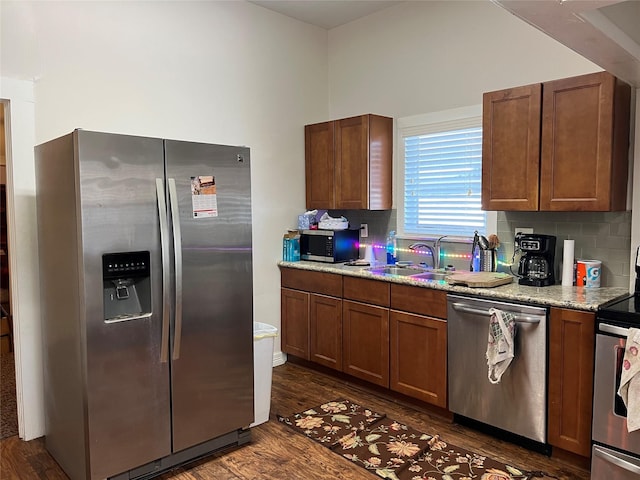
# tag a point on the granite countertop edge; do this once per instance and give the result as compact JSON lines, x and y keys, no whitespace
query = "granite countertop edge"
{"x":577,"y":298}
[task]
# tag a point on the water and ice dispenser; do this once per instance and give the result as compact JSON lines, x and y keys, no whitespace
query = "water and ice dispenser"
{"x":126,"y":286}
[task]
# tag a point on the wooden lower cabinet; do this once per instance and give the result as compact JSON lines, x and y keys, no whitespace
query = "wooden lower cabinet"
{"x":418,"y":360}
{"x":571,"y":364}
{"x":325,"y":331}
{"x":365,"y":342}
{"x":294,"y":319}
{"x":311,"y":322}
{"x":312,"y":327}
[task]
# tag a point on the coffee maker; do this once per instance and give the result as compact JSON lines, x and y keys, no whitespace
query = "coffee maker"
{"x":536,"y":266}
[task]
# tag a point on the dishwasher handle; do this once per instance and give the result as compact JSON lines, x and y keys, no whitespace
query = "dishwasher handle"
{"x":518,"y":317}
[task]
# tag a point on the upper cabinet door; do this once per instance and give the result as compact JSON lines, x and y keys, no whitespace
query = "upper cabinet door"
{"x":352,"y":163}
{"x":363,"y":156}
{"x":511,"y":148}
{"x":319,"y":164}
{"x":585,"y":131}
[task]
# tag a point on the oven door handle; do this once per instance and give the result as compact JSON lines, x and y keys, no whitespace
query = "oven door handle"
{"x":613,"y":330}
{"x":620,"y":462}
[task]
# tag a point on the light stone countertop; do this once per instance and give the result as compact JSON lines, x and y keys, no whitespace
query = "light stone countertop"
{"x":578,"y":298}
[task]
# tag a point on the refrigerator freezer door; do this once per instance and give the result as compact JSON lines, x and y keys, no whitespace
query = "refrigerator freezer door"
{"x":128,"y":398}
{"x":212,"y":346}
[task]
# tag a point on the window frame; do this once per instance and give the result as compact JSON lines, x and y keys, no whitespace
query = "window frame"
{"x":414,"y":125}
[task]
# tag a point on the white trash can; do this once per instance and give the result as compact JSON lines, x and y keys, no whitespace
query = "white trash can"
{"x":263,"y":335}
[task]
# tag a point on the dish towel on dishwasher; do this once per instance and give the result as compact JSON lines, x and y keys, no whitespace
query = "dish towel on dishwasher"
{"x":502,"y":330}
{"x":630,"y":379}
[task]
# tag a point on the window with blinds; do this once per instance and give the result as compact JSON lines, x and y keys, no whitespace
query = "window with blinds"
{"x":443,"y":178}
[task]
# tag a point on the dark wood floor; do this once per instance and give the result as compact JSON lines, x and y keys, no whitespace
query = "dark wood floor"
{"x":276,"y":452}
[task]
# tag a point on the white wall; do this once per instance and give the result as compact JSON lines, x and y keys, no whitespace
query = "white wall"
{"x":217,"y":72}
{"x":423,"y":57}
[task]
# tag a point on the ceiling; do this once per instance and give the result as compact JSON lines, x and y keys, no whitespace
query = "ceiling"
{"x":607,"y":32}
{"x":326,"y":13}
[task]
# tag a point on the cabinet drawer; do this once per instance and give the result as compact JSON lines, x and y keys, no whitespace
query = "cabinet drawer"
{"x":309,"y":281}
{"x":423,"y":301}
{"x":363,"y":290}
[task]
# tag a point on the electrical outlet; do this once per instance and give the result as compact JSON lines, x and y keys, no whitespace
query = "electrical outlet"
{"x":364,"y":230}
{"x":522,"y":230}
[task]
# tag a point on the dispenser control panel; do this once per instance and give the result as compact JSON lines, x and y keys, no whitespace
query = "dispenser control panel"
{"x":125,"y":265}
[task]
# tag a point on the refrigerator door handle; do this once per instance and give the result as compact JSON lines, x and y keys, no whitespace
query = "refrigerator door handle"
{"x":164,"y":243}
{"x":177,"y":256}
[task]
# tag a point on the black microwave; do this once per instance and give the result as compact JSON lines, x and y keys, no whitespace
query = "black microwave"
{"x":330,"y":246}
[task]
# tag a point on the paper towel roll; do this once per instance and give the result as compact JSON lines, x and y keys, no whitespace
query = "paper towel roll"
{"x":567,"y":263}
{"x":368,"y":254}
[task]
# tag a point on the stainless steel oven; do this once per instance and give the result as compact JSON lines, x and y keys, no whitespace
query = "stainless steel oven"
{"x":615,"y":453}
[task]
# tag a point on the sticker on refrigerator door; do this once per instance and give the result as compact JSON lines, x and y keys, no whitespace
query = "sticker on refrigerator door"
{"x":203,"y":196}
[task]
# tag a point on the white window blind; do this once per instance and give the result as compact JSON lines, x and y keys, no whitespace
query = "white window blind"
{"x":443,"y":178}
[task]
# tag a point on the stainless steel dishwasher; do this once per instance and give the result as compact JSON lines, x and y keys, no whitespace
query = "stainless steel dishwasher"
{"x":518,"y":404}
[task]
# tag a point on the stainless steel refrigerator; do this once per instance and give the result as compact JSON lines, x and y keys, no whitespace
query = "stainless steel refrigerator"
{"x":146,"y":287}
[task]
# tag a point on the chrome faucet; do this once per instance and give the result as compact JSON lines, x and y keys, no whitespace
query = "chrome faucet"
{"x":435,"y":250}
{"x":419,"y":245}
{"x":438,"y":252}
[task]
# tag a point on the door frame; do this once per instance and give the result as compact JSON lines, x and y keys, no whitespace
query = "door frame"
{"x":18,"y":99}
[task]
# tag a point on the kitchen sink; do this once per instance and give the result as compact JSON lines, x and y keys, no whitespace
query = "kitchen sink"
{"x":412,"y":272}
{"x":391,"y":270}
{"x":430,"y":276}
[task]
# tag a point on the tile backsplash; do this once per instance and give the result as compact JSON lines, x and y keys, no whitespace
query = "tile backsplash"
{"x":604,"y":236}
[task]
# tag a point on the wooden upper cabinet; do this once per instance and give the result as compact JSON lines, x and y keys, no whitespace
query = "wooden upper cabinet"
{"x":559,"y":146}
{"x":349,"y":163}
{"x":319,"y":165}
{"x":585,"y":144}
{"x":511,"y":148}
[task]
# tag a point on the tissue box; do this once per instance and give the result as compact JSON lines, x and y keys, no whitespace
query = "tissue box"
{"x":305,"y":221}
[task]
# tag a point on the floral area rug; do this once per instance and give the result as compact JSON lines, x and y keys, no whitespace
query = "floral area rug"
{"x":392,"y":450}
